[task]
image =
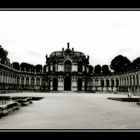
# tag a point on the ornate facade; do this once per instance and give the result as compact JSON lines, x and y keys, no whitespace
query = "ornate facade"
{"x":65,"y":70}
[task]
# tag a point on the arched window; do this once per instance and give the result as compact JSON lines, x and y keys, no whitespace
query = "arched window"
{"x":96,"y":82}
{"x":37,"y":81}
{"x":112,"y":82}
{"x":22,"y":80}
{"x":67,"y":66}
{"x":18,"y":79}
{"x":117,"y":82}
{"x":32,"y":81}
{"x":107,"y":82}
{"x":27,"y":80}
{"x":102,"y":82}
{"x":80,"y":66}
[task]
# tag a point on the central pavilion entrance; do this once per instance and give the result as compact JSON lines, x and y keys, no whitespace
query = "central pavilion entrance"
{"x":67,"y":83}
{"x":55,"y":84}
{"x":79,"y":84}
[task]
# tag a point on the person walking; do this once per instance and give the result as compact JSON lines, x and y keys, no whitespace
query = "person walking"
{"x":129,"y":94}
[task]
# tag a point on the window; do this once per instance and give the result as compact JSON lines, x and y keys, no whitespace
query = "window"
{"x":67,"y":66}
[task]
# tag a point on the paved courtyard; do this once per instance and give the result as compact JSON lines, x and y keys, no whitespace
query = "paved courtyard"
{"x":74,"y":111}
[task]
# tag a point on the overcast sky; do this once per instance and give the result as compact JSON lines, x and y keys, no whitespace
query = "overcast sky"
{"x":29,"y":35}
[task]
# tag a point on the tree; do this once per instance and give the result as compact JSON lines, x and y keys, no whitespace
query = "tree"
{"x":97,"y":69}
{"x":27,"y":67}
{"x":38,"y":68}
{"x":44,"y":68}
{"x":120,"y":64}
{"x":90,"y":69}
{"x":105,"y":70}
{"x":135,"y":64}
{"x":16,"y":65}
{"x":3,"y":53}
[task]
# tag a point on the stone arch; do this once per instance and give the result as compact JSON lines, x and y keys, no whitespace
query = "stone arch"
{"x":96,"y":82}
{"x":79,"y":83}
{"x":67,"y":83}
{"x":37,"y":81}
{"x":107,"y":82}
{"x":112,"y":82}
{"x":127,"y":83}
{"x":22,"y":80}
{"x":117,"y":82}
{"x":27,"y":80}
{"x":18,"y":80}
{"x":55,"y":84}
{"x":102,"y":82}
{"x":32,"y":81}
{"x":133,"y":76}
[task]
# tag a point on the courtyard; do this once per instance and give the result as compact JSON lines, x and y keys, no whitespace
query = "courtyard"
{"x":74,"y":111}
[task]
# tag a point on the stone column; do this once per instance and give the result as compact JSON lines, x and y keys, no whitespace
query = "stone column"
{"x":83,"y":68}
{"x":51,"y":67}
{"x":114,"y":82}
{"x":46,"y":68}
{"x":122,"y":79}
{"x":109,"y":82}
{"x":99,"y":84}
{"x":6,"y":78}
{"x":136,"y":80}
{"x":24,"y":80}
{"x":94,"y":82}
{"x":129,"y":79}
{"x":104,"y":82}
{"x":10,"y":77}
{"x":56,"y":67}
{"x":51,"y":84}
{"x":87,"y":69}
{"x":35,"y":81}
{"x":20,"y":80}
{"x":139,"y":82}
{"x":126,"y":81}
{"x":2,"y":77}
{"x":60,"y":83}
{"x":109,"y":87}
{"x":83,"y":84}
{"x":139,"y":79}
{"x":74,"y":68}
{"x":132,"y":80}
{"x":29,"y":81}
{"x":119,"y":82}
{"x":74,"y":84}
{"x":40,"y":83}
{"x":114,"y":87}
{"x":105,"y":85}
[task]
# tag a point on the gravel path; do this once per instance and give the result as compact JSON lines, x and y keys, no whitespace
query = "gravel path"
{"x":74,"y":111}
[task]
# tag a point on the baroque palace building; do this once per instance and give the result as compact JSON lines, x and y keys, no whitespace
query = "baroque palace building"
{"x":65,"y":70}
